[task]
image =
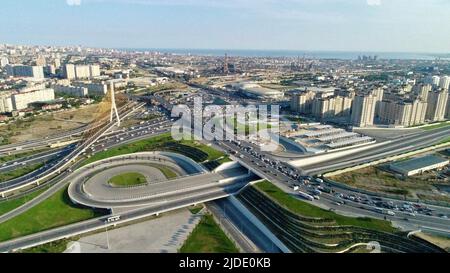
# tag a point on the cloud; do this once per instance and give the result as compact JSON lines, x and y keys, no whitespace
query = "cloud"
{"x":374,"y":2}
{"x":73,"y":2}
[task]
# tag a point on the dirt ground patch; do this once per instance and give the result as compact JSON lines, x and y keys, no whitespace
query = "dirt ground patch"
{"x":48,"y":124}
{"x":378,"y":180}
{"x":443,"y":242}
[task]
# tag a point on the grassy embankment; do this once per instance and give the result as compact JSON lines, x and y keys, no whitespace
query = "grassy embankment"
{"x":208,"y":237}
{"x":54,"y":212}
{"x":305,"y":209}
{"x":9,"y":205}
{"x":162,"y":142}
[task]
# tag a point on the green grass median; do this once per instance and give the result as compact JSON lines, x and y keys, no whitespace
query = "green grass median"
{"x":167,"y":172}
{"x":127,"y":179}
{"x":12,"y":157}
{"x":436,"y":126}
{"x":19,"y":172}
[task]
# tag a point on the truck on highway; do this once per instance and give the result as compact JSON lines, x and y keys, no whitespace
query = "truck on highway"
{"x":306,"y":196}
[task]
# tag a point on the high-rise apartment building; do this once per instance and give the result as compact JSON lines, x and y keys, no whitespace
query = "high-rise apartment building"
{"x":4,"y":61}
{"x":447,"y":114}
{"x":22,"y":100}
{"x":363,"y":110}
{"x":421,"y":91}
{"x":94,"y":71}
{"x":76,"y":91}
{"x":418,"y":112}
{"x":36,"y":72}
{"x":41,"y":61}
{"x":79,"y":72}
{"x":302,"y":102}
{"x":378,"y":95}
{"x":433,"y":80}
{"x":82,"y":72}
{"x":331,"y":107}
{"x":437,"y":105}
{"x":444,"y":82}
{"x":403,"y":113}
{"x":69,"y":71}
{"x":6,"y":105}
{"x":94,"y":89}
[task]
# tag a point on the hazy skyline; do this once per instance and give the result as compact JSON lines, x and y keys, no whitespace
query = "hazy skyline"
{"x":342,"y":25}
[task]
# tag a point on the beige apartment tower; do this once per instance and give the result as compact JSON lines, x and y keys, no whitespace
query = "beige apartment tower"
{"x":363,"y":110}
{"x":437,"y":105}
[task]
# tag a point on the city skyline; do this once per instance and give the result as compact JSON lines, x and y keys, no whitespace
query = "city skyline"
{"x":340,"y":25}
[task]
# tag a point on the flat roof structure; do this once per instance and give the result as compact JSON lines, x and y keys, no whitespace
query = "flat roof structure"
{"x":419,"y":165}
{"x":337,"y":137}
{"x":321,"y":127}
{"x":349,"y":142}
{"x":326,"y":132}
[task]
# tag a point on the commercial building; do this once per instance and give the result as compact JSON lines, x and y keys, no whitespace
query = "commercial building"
{"x":419,"y":165}
{"x":23,"y":99}
{"x":363,"y":110}
{"x":76,"y":91}
{"x":254,"y":90}
{"x":437,"y":105}
{"x":36,"y":72}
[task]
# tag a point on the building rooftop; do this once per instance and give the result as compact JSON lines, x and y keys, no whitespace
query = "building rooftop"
{"x":418,"y":163}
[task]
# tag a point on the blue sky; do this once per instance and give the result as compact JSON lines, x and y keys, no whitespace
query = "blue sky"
{"x":347,"y":25}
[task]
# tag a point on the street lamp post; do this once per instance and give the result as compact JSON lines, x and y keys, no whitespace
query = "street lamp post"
{"x":107,"y":236}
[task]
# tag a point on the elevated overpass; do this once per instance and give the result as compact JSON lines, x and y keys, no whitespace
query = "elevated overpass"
{"x":91,"y":187}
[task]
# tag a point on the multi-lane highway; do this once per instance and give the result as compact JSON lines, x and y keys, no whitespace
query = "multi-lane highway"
{"x":281,"y":175}
{"x":383,"y":150}
{"x":115,"y":138}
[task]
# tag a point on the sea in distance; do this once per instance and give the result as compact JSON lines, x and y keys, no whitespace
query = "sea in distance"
{"x":344,"y":55}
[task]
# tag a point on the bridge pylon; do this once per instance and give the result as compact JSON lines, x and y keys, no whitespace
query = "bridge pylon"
{"x":114,"y":111}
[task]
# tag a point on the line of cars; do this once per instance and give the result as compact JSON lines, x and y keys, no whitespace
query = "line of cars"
{"x":310,"y":188}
